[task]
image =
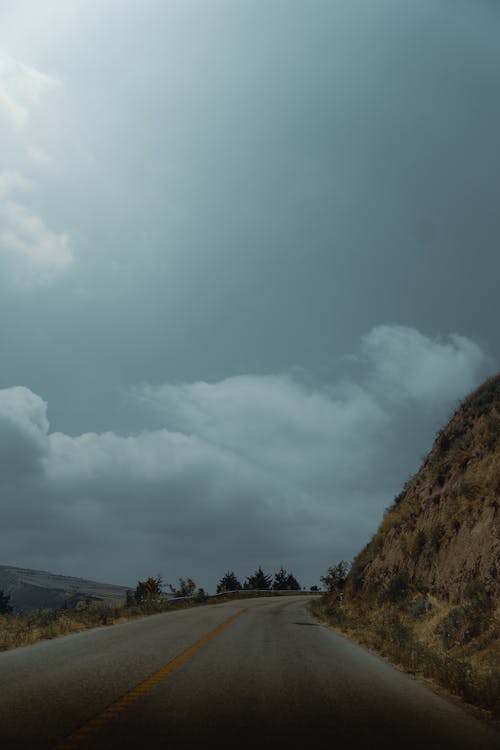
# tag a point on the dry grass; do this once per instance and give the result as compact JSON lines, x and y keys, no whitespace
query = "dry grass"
{"x":16,"y":631}
{"x":410,"y":636}
{"x":46,"y":624}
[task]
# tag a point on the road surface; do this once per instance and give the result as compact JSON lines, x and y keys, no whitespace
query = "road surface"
{"x":257,"y":673}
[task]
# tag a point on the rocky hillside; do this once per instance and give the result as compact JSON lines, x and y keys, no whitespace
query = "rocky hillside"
{"x":30,"y":590}
{"x":442,"y":534}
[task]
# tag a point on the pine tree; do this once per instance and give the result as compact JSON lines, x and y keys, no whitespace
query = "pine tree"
{"x":280,"y":580}
{"x":259,"y":580}
{"x":284,"y":581}
{"x":291,"y":583}
{"x":228,"y":582}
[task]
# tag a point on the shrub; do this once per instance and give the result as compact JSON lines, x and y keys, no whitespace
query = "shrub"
{"x":201,"y":595}
{"x":5,"y":607}
{"x":145,"y":592}
{"x":477,"y":593}
{"x":419,"y":608}
{"x":396,"y":590}
{"x":467,"y":622}
{"x":419,"y":542}
{"x":186,"y":587}
{"x":437,"y":535}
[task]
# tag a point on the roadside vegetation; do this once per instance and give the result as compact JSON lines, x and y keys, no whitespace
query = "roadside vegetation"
{"x":150,"y":597}
{"x":454,"y":646}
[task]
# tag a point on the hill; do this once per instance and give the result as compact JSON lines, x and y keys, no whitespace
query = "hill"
{"x":31,"y":590}
{"x":443,"y":531}
{"x":425,"y":590}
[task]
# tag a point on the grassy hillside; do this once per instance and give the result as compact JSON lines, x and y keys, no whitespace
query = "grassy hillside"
{"x":31,"y":590}
{"x":425,"y":590}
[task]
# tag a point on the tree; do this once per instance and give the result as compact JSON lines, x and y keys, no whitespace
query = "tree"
{"x":259,"y":580}
{"x":228,"y":582}
{"x":145,"y":592}
{"x":186,"y":587}
{"x":291,"y":583}
{"x":335,"y":578}
{"x":284,"y":581}
{"x":280,"y":580}
{"x":5,"y":608}
{"x":201,"y":595}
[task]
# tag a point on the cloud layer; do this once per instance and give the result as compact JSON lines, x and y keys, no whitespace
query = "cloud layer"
{"x":254,"y":469}
{"x":21,"y":86}
{"x":31,"y":253}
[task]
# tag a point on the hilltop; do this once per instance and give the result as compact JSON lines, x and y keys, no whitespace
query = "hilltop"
{"x":31,"y":590}
{"x":443,"y":530}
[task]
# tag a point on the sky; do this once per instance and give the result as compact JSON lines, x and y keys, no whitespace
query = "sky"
{"x":249,"y":263}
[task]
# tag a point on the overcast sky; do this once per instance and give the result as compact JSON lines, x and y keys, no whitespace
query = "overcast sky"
{"x":249,"y":263}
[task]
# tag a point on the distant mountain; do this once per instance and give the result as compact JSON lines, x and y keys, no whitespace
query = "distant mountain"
{"x":31,"y":590}
{"x":443,"y":530}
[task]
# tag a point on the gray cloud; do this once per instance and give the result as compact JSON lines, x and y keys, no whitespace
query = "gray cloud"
{"x":203,"y":209}
{"x":254,"y":469}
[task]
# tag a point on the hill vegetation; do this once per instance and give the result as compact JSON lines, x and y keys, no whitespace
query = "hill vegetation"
{"x":425,"y":590}
{"x":149,"y":597}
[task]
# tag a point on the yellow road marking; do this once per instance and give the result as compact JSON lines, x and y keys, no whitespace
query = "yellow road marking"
{"x":111,"y":712}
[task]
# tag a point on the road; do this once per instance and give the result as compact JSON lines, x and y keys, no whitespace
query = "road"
{"x":250,"y":673}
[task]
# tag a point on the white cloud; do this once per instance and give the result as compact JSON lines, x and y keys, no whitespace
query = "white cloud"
{"x":22,"y":407}
{"x":32,"y":254}
{"x":11,"y":181}
{"x":248,"y":470}
{"x":405,"y":364}
{"x":20,"y":88}
{"x":39,"y":157}
{"x":270,"y":419}
{"x":23,"y":435}
{"x":37,"y":255}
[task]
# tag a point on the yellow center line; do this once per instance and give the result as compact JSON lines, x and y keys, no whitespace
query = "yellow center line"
{"x":112,"y":711}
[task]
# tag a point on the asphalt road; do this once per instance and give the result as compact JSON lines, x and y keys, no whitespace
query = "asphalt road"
{"x":269,"y":676}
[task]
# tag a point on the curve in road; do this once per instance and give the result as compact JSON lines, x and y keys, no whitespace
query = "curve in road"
{"x":270,"y":676}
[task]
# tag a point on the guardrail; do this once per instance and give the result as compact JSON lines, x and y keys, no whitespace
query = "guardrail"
{"x":247,"y":593}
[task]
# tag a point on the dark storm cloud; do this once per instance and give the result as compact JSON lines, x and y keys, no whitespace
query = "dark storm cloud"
{"x":222,"y":198}
{"x":252,"y":469}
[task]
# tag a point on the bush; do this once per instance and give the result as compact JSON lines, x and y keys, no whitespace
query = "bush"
{"x":437,"y":535}
{"x":465,"y":623}
{"x":201,"y":595}
{"x":419,"y":608}
{"x":419,"y":543}
{"x":397,"y":590}
{"x":145,"y":592}
{"x":5,"y":607}
{"x":186,"y":587}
